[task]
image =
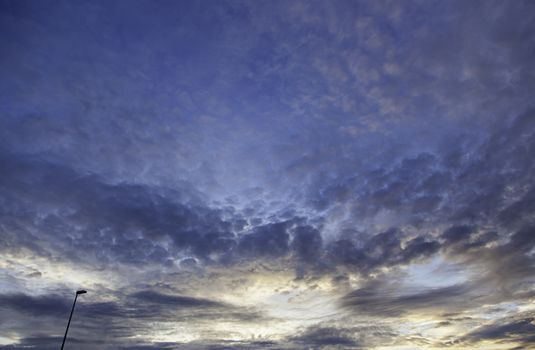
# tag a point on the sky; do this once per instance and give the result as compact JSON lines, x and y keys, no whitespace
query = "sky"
{"x":267,"y":174}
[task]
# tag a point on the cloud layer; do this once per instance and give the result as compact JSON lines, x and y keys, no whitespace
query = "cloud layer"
{"x":226,"y":175}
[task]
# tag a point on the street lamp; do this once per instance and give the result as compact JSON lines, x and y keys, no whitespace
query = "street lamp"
{"x":78,"y":292}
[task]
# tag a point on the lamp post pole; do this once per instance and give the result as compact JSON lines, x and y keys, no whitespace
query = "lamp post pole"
{"x":78,"y":292}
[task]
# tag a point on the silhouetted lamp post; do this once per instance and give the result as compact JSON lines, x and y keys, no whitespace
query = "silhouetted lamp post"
{"x":78,"y":292}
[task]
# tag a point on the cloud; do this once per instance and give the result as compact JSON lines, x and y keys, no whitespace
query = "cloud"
{"x":152,"y":297}
{"x":322,"y":337}
{"x":381,"y":250}
{"x":457,"y":233}
{"x":154,"y":146}
{"x":128,"y":223}
{"x":386,"y":298}
{"x":37,"y":306}
{"x":47,"y":342}
{"x":351,"y":333}
{"x":266,"y":240}
{"x":124,"y":318}
{"x":66,"y":206}
{"x":516,"y":329}
{"x":307,"y":243}
{"x":43,"y":342}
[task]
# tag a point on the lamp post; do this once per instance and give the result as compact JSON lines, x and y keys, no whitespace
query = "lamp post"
{"x":78,"y":292}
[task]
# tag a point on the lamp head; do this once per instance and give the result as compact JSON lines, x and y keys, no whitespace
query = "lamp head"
{"x":78,"y":292}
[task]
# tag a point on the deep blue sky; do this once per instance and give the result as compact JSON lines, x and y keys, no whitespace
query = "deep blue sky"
{"x":267,"y":174}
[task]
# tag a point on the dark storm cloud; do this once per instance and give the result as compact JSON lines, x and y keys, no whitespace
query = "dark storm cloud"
{"x":127,"y":222}
{"x":510,"y":266}
{"x":479,"y":200}
{"x":126,"y":209}
{"x":381,"y":250}
{"x":519,"y":329}
{"x":505,"y":265}
{"x":42,"y":306}
{"x":468,"y":198}
{"x":266,"y":240}
{"x":351,"y":335}
{"x":134,"y":217}
{"x":383,"y":298}
{"x":150,"y":304}
{"x":230,"y":345}
{"x":142,"y":304}
{"x":163,"y":346}
{"x":153,"y":297}
{"x":503,"y":158}
{"x":307,"y":243}
{"x":457,"y":233}
{"x":414,"y":183}
{"x":320,"y":337}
